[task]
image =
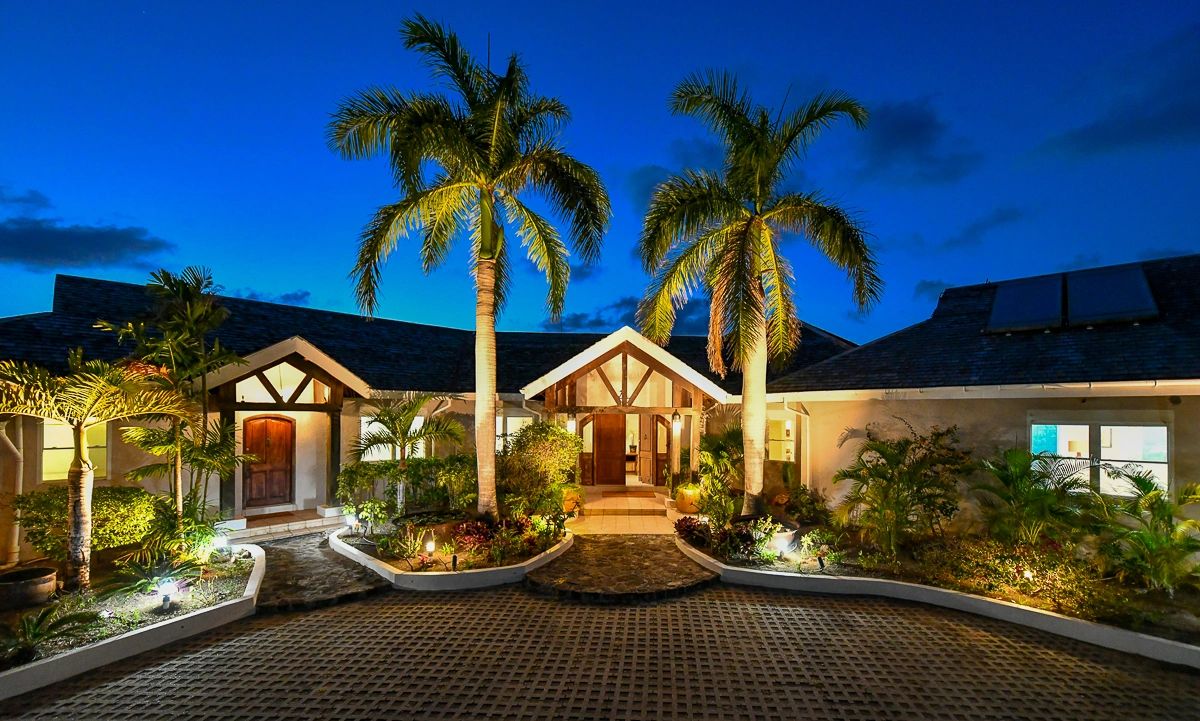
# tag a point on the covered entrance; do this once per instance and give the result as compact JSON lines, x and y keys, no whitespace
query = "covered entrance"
{"x":270,"y":479}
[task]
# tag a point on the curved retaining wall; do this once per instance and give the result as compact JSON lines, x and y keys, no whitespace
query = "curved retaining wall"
{"x":1118,"y":639}
{"x":447,"y":580}
{"x":21,"y":679}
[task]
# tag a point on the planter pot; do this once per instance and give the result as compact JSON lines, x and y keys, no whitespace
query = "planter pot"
{"x":686,"y":500}
{"x":572,"y":502}
{"x":27,"y":586}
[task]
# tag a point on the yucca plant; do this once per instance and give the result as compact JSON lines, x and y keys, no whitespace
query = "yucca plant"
{"x":1154,"y":545}
{"x":31,"y":632}
{"x":1032,"y":497}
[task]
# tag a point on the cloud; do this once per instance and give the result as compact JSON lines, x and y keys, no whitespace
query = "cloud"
{"x":295,"y":297}
{"x":929,"y":289}
{"x":692,"y":319}
{"x":907,"y":142}
{"x":46,"y":244}
{"x":689,"y":154}
{"x":29,"y":201}
{"x":1161,"y":104}
{"x":976,"y":230}
{"x":583,"y":271}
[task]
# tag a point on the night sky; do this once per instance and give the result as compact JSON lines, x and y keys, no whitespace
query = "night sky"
{"x":1004,"y":141}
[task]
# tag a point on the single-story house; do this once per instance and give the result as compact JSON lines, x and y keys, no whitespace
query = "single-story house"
{"x":1101,"y":363}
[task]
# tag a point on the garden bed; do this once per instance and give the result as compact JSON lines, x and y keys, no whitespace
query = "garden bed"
{"x":132,"y":624}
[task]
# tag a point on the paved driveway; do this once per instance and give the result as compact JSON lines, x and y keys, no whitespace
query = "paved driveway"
{"x":722,"y":652}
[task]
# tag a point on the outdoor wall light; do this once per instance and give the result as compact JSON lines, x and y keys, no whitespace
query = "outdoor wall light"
{"x":676,"y":421}
{"x":787,"y":429}
{"x":571,"y":423}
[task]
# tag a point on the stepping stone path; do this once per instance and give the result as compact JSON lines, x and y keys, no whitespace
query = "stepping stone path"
{"x":304,"y":572}
{"x":620,"y":569}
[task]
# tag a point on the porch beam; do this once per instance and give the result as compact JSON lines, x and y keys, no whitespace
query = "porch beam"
{"x":637,"y":410}
{"x":300,"y":389}
{"x":284,"y":406}
{"x":640,"y":385}
{"x":262,"y":377}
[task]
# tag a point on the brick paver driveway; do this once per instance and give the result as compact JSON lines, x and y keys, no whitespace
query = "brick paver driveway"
{"x":723,"y":652}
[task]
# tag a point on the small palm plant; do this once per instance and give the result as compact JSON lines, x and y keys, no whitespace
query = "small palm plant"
{"x":1031,"y":497}
{"x":394,"y":427}
{"x":28,"y":636}
{"x":92,"y":393}
{"x":1154,"y":545}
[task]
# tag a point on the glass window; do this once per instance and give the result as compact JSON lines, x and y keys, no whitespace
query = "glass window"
{"x":384,"y":453}
{"x":780,"y":441}
{"x":1145,"y":446}
{"x":507,"y":427}
{"x":1067,"y":441}
{"x":58,"y":449}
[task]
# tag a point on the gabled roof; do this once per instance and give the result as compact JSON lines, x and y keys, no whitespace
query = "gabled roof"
{"x":611,"y":342}
{"x":954,"y":349}
{"x":388,"y":355}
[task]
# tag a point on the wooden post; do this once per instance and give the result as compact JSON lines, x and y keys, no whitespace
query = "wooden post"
{"x":228,"y":487}
{"x":697,"y":422}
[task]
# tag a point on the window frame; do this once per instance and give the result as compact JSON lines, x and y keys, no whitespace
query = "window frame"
{"x":1095,"y":420}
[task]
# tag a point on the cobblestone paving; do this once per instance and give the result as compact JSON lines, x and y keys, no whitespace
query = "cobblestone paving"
{"x":620,"y":568}
{"x":304,"y":572}
{"x":720,"y":653}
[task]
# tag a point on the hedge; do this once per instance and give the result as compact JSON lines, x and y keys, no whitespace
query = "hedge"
{"x":121,"y":515}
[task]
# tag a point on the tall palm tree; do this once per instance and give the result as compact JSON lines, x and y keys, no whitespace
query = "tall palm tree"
{"x":721,"y":232}
{"x":393,"y":427}
{"x":463,"y":164}
{"x":91,"y":393}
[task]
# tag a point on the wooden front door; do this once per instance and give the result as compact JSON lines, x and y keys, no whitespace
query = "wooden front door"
{"x":608,"y":448}
{"x":269,"y":479}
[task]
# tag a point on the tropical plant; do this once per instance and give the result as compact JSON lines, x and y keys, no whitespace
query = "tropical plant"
{"x":716,"y":502}
{"x":91,"y":393}
{"x":464,"y":165}
{"x":1152,"y":543}
{"x":149,"y":576}
{"x":403,"y":542}
{"x":357,"y":491}
{"x":22,"y":641}
{"x":721,"y":233}
{"x":692,"y":530}
{"x":748,"y":540}
{"x":903,"y":486}
{"x":537,"y":469}
{"x":1030,"y":497}
{"x":176,"y":336}
{"x":187,"y":537}
{"x":121,"y":516}
{"x":398,"y":427}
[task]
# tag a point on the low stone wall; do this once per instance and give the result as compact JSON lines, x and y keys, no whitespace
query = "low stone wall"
{"x":447,"y":580}
{"x":46,"y":671}
{"x":1118,"y":639}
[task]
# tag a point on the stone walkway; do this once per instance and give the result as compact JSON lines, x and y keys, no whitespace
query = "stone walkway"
{"x":304,"y":572}
{"x":620,"y":568}
{"x":721,"y":653}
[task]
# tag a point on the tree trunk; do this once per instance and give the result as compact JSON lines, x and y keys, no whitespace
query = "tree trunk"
{"x":485,"y":384}
{"x":754,"y":423}
{"x":80,"y":478}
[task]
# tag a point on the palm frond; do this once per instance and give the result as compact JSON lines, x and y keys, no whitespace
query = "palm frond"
{"x":446,"y":57}
{"x":545,"y":249}
{"x":682,"y":207}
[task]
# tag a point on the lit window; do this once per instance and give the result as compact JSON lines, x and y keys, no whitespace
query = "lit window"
{"x":58,"y":449}
{"x":1141,"y":445}
{"x":780,"y":442}
{"x":507,"y":427}
{"x":385,"y":453}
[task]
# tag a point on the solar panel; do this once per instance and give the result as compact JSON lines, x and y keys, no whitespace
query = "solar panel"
{"x":1027,"y":304}
{"x":1108,"y":295}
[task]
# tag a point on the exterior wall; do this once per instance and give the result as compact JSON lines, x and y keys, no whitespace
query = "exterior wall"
{"x":311,"y":461}
{"x":985,"y":427}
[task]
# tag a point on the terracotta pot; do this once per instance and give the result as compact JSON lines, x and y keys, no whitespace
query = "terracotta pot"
{"x":686,"y":500}
{"x":27,"y":586}
{"x":571,"y":501}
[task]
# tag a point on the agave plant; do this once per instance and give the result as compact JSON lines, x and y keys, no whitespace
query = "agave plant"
{"x":1031,"y":497}
{"x":1153,"y":544}
{"x":134,"y":577}
{"x":27,"y":637}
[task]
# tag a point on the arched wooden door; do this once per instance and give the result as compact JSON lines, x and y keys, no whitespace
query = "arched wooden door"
{"x":270,"y":479}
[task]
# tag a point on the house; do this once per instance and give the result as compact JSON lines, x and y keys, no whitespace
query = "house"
{"x":1101,"y":363}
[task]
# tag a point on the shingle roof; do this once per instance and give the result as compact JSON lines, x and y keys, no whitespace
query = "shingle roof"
{"x":952,"y":349}
{"x":387,"y":354}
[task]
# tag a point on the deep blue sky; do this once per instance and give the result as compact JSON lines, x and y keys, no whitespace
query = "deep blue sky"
{"x":1005,"y":141}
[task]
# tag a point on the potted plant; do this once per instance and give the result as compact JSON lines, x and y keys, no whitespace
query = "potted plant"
{"x":687,"y":498}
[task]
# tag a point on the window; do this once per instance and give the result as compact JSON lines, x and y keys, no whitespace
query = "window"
{"x":384,"y":453}
{"x":781,"y":443}
{"x":507,"y":427}
{"x":58,"y":448}
{"x":1144,"y":445}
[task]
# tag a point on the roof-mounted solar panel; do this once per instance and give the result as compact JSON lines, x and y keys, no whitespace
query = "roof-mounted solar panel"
{"x":1027,"y":304}
{"x":1109,"y":295}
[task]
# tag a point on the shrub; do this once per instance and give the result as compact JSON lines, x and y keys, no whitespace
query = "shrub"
{"x":441,"y":483}
{"x":807,"y":506}
{"x":403,"y":542}
{"x":134,"y":577}
{"x":747,"y":540}
{"x":188,"y":537}
{"x":121,"y":515}
{"x":537,"y":468}
{"x":473,"y":535}
{"x":1033,"y":497}
{"x":903,"y":487}
{"x":715,"y":502}
{"x":357,"y":486}
{"x":1148,"y":541}
{"x":692,"y":530}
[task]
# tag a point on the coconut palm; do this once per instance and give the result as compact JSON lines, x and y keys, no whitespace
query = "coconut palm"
{"x":463,"y":164}
{"x":721,"y":233}
{"x":93,"y":392}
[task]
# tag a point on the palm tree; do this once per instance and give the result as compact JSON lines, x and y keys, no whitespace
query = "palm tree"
{"x":721,"y":232}
{"x":91,"y":393}
{"x":463,"y":165}
{"x":394,"y":427}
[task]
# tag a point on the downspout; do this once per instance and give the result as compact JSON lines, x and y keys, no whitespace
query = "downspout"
{"x":802,"y":433}
{"x":17,"y":449}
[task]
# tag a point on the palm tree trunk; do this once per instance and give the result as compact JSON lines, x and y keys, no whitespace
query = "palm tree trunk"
{"x":177,"y":474}
{"x":80,"y":478}
{"x":485,"y":384}
{"x":754,"y":422}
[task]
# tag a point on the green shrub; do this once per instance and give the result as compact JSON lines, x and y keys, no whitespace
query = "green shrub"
{"x":357,"y":490}
{"x":715,"y":502}
{"x":903,"y":487}
{"x":121,"y":515}
{"x":442,"y":483}
{"x":1029,"y":497}
{"x":747,"y":540}
{"x":537,"y":468}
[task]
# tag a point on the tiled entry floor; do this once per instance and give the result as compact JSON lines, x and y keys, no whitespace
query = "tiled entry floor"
{"x":614,"y":510}
{"x":719,"y":653}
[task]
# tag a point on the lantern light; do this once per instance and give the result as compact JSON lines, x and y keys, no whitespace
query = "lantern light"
{"x":571,"y":423}
{"x":676,"y":421}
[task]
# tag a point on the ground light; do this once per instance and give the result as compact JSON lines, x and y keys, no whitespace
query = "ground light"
{"x":165,"y":589}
